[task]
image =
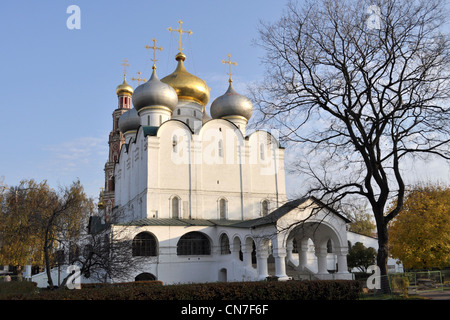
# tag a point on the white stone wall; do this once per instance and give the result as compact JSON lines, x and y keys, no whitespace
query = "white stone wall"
{"x":200,"y":170}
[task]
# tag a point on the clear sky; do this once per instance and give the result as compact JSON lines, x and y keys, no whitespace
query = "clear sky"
{"x":60,"y":84}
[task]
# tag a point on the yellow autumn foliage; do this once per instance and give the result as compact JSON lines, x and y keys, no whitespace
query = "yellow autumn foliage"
{"x":25,"y":212}
{"x":420,"y":235}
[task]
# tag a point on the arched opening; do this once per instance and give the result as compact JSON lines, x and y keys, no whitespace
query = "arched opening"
{"x":222,"y":208}
{"x":224,"y":244}
{"x":237,"y":250}
{"x":175,"y":203}
{"x":313,"y":249}
{"x":193,"y":243}
{"x":144,"y":245}
{"x":145,"y":276}
{"x":223,"y":275}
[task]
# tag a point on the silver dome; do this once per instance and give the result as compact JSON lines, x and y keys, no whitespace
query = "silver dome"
{"x":154,"y":93}
{"x":231,"y":104}
{"x":129,"y":121}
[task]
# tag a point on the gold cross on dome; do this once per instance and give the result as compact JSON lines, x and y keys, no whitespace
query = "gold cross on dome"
{"x":125,"y":65}
{"x":180,"y":31}
{"x":229,"y":62}
{"x":138,"y":79}
{"x":154,"y":47}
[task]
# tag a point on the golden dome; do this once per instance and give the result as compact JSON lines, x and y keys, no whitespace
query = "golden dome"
{"x":124,"y":88}
{"x":187,"y":86}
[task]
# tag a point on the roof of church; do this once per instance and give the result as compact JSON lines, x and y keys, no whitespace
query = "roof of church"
{"x":269,"y":219}
{"x":179,"y":222}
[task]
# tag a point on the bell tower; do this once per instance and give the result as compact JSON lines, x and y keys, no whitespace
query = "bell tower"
{"x":124,"y":92}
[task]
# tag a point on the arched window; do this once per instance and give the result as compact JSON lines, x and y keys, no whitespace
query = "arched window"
{"x":265,"y":208}
{"x":193,"y":243}
{"x":224,"y":244}
{"x":222,"y":208}
{"x":145,"y":276}
{"x":144,"y":244}
{"x":175,"y":207}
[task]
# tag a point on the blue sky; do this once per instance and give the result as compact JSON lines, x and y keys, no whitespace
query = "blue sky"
{"x":56,"y":111}
{"x":60,"y":84}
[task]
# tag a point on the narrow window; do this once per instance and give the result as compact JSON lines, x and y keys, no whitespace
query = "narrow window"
{"x":265,"y":208}
{"x":174,"y":143}
{"x":262,"y":153}
{"x":178,"y":112}
{"x":175,"y":207}
{"x":220,"y":148}
{"x":222,"y":209}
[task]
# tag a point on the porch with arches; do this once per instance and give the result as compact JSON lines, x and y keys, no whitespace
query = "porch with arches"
{"x":300,"y":240}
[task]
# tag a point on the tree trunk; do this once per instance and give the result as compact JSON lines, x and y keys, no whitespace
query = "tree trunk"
{"x":382,"y":255}
{"x":47,"y":263}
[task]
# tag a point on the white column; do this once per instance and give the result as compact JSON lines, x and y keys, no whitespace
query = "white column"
{"x":302,"y":248}
{"x":342,"y":260}
{"x":280,"y":263}
{"x":247,"y":255}
{"x":289,"y":248}
{"x":235,"y":248}
{"x":321,"y":254}
{"x":261,"y":266}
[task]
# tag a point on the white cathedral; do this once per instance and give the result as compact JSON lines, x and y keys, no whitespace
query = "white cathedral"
{"x":202,"y":200}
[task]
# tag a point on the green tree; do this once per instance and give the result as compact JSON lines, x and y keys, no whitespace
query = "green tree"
{"x":420,"y":234}
{"x":361,"y":257}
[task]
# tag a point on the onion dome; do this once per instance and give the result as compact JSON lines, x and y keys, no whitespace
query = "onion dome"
{"x":129,"y":121}
{"x":187,"y":86}
{"x":154,"y":94}
{"x":124,"y":88}
{"x":231,"y":104}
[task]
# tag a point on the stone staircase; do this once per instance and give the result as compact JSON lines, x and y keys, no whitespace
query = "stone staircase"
{"x":292,"y":272}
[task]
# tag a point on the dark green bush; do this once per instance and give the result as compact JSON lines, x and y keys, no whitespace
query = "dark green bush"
{"x":273,"y":290}
{"x":16,"y":288}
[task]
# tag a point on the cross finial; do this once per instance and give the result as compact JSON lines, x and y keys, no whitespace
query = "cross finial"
{"x":180,"y":31}
{"x":125,"y":65}
{"x":229,"y":62}
{"x":138,"y":79}
{"x":154,"y":47}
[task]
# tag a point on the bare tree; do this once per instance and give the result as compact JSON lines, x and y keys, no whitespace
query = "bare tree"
{"x":361,"y":87}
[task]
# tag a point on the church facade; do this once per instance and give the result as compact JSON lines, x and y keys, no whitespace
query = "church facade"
{"x":202,"y":200}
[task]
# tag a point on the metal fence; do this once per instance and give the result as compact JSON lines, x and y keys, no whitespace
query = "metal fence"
{"x":409,"y":283}
{"x":425,"y":281}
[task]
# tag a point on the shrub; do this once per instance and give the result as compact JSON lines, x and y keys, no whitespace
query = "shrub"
{"x":14,"y":288}
{"x":273,"y":290}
